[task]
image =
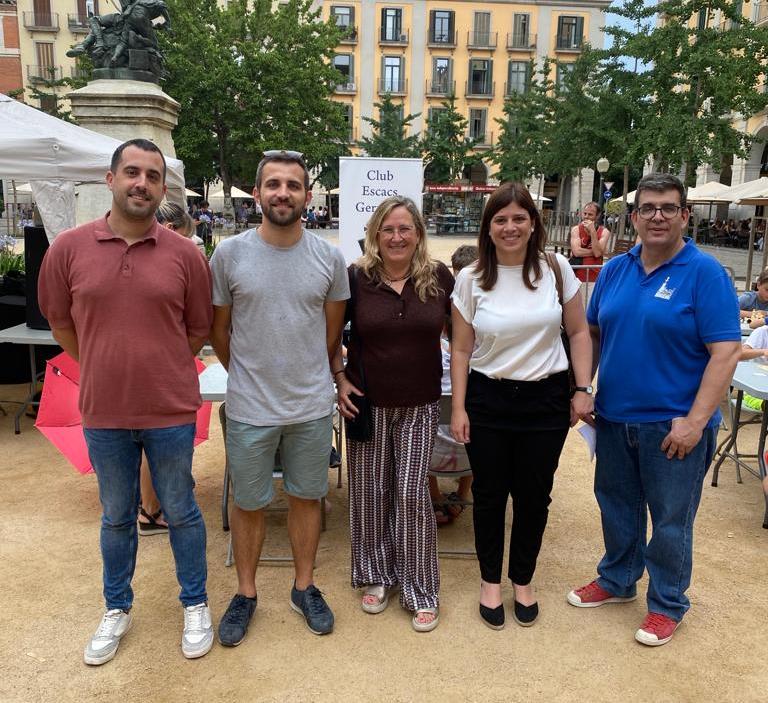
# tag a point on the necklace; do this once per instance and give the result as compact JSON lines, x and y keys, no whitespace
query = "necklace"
{"x":389,"y":280}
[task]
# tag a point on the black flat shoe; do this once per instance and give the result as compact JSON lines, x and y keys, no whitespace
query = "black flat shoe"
{"x":526,"y":615}
{"x":493,"y":617}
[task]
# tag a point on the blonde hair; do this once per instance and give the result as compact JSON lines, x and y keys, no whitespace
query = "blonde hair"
{"x":422,"y":269}
{"x":175,"y":216}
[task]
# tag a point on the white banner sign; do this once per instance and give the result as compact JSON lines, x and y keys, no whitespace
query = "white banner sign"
{"x":363,"y":183}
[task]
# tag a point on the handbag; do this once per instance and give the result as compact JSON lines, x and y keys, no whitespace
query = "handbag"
{"x":576,"y":260}
{"x":555,"y":267}
{"x":359,"y":429}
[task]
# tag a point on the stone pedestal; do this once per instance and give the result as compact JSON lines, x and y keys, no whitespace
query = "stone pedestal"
{"x":123,"y":109}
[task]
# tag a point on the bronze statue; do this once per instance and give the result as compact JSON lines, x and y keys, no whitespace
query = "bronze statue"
{"x":124,"y":44}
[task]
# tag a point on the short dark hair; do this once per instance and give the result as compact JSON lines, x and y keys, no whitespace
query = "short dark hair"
{"x":286,"y":157}
{"x":205,"y":203}
{"x":658,"y":183}
{"x":594,"y":205}
{"x":487,"y":264}
{"x":463,"y":256}
{"x":144,"y":145}
{"x":762,"y":278}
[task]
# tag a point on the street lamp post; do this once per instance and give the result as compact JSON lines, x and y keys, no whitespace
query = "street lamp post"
{"x":602,"y":168}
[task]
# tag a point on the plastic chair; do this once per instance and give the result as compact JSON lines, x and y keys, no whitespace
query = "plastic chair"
{"x":732,"y":450}
{"x":444,"y":470}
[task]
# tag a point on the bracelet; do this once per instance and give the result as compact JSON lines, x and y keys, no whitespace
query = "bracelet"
{"x":336,"y":373}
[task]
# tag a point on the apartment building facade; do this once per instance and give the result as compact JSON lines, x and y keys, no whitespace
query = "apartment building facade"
{"x":420,"y":51}
{"x":47,"y":29}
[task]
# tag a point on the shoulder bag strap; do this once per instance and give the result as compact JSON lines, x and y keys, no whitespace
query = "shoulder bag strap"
{"x":353,"y":295}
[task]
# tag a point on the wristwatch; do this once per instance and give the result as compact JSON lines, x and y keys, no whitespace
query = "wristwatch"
{"x":584,"y":389}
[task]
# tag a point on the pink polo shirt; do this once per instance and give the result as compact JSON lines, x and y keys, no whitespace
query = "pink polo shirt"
{"x":133,"y":308}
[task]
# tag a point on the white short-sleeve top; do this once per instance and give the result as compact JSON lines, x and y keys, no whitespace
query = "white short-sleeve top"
{"x":517,"y":330}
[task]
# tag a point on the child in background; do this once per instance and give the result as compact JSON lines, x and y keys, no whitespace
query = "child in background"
{"x":449,"y":455}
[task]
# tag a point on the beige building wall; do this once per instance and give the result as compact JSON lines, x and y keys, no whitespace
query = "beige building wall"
{"x":47,"y":29}
{"x":473,"y":35}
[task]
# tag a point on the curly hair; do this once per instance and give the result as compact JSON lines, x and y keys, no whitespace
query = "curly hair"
{"x":423,"y":270}
{"x":487,"y":264}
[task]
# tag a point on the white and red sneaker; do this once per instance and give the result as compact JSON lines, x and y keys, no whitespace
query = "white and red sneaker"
{"x":592,"y":595}
{"x":657,"y":629}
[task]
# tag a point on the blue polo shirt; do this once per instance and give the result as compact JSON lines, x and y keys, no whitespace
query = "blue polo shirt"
{"x":750,"y":301}
{"x":653,"y":332}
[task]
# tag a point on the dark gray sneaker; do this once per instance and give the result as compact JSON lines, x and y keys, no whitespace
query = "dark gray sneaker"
{"x":234,"y":623}
{"x":311,"y":604}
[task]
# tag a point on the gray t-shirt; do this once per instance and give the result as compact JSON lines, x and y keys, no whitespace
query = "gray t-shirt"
{"x":278,"y":367}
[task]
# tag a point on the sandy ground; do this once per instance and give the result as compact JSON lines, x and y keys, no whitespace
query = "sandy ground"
{"x":51,"y":602}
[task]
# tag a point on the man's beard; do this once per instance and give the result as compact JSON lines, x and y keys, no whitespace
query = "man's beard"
{"x":286,"y":219}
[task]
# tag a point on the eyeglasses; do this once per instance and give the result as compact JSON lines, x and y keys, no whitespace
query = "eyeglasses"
{"x":272,"y":153}
{"x":403,"y":231}
{"x":668,"y":211}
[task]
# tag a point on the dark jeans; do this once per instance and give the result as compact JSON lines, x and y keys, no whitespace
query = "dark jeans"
{"x":632,"y":478}
{"x":517,"y":432}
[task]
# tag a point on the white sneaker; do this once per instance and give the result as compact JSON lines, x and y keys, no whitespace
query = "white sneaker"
{"x":197,"y":639}
{"x":104,"y":643}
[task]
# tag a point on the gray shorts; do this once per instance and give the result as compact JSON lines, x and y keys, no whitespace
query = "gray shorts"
{"x":304,"y":456}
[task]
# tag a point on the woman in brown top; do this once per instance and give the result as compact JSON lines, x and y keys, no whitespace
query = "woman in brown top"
{"x":400,"y":303}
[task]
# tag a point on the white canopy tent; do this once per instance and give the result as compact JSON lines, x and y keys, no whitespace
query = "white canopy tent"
{"x":53,"y":155}
{"x":216,"y":194}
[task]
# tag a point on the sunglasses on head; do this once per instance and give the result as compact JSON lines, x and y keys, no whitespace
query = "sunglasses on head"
{"x":272,"y":153}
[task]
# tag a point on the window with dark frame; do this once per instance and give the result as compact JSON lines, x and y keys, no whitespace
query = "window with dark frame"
{"x":570,"y":32}
{"x":391,"y":24}
{"x":441,"y":27}
{"x":480,"y":76}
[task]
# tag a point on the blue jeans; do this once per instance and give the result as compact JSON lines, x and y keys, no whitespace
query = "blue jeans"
{"x":116,"y":456}
{"x":632,"y":477}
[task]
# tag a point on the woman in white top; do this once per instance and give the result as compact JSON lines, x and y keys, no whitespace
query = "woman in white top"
{"x":512,"y":405}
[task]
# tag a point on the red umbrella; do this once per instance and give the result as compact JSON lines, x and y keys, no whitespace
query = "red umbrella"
{"x":58,"y":416}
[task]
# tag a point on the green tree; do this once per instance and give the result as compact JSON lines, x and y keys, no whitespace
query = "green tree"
{"x":446,"y":146}
{"x":251,"y":78}
{"x":521,"y":149}
{"x":390,"y":136}
{"x":682,"y":81}
{"x":47,"y":90}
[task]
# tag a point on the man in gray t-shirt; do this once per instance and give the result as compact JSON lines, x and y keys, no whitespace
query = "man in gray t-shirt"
{"x":279,"y":294}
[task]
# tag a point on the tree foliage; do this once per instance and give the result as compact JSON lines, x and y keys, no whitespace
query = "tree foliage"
{"x":446,"y":146}
{"x":684,"y":84}
{"x":390,"y":136}
{"x":251,"y":78}
{"x":521,"y":149}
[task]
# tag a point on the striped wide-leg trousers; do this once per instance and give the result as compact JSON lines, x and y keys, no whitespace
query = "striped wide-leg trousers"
{"x":392,"y":524}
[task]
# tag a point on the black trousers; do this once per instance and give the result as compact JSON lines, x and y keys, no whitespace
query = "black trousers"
{"x":517,"y":431}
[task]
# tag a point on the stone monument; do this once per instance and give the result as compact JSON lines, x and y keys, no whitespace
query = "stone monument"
{"x":124,"y":100}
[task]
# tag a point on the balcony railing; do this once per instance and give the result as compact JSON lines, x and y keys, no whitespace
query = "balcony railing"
{"x":44,"y":73}
{"x":346,"y":87}
{"x":761,"y":13}
{"x":45,"y":22}
{"x":441,"y":39}
{"x":349,"y":35}
{"x":440,"y":87}
{"x":522,"y":41}
{"x":482,"y":40}
{"x":515,"y":89}
{"x":393,"y":87}
{"x":78,"y":23}
{"x":484,"y":90}
{"x":484,"y":140}
{"x":569,"y":43}
{"x":394,"y":38}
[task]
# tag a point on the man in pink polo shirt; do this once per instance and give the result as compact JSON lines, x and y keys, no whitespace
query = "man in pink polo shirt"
{"x":131,"y":300}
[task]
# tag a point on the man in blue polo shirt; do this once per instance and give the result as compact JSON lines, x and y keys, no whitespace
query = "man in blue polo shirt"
{"x":664,"y":321}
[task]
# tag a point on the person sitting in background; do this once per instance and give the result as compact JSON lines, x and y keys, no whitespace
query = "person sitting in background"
{"x":448,"y":455}
{"x":756,"y":347}
{"x":754,"y":303}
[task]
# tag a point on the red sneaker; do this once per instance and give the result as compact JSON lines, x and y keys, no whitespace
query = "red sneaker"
{"x":592,"y":595}
{"x":656,"y":629}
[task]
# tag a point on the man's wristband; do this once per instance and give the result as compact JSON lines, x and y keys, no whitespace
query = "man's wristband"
{"x":336,"y":373}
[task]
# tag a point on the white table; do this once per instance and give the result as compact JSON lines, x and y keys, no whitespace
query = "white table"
{"x":213,"y":383}
{"x":750,"y":377}
{"x":21,"y":334}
